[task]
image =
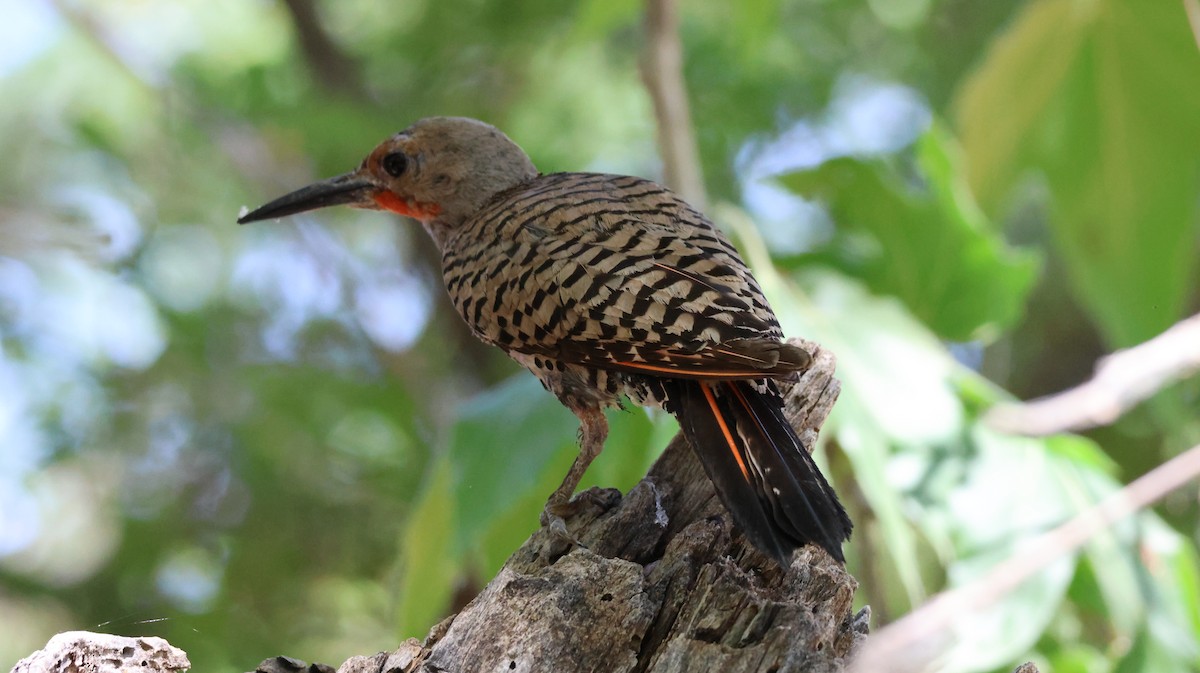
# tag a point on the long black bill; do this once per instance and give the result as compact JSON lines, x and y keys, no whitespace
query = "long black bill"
{"x":350,"y":188}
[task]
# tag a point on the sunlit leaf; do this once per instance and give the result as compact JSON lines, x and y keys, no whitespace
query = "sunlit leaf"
{"x":990,"y":637}
{"x":1090,"y":95}
{"x":1016,"y":488}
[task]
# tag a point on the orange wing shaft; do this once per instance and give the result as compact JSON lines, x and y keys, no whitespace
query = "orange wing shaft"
{"x":733,"y":447}
{"x":676,"y":372}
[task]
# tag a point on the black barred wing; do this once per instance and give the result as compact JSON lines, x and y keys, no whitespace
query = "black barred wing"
{"x":613,"y":272}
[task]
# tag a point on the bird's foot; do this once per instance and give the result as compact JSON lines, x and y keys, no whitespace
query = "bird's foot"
{"x":560,"y":539}
{"x":593,"y":500}
{"x":556,"y":510}
{"x":588,"y":504}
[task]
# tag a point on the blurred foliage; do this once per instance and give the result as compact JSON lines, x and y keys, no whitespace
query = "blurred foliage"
{"x":1104,"y":120}
{"x":935,"y":251}
{"x":278,"y":439}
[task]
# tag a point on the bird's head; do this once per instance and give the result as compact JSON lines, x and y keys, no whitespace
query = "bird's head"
{"x":440,"y":170}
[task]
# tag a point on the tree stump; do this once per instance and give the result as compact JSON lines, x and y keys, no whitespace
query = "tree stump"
{"x":660,"y":582}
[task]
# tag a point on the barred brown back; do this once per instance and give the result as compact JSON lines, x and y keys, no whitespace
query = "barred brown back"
{"x":604,"y":269}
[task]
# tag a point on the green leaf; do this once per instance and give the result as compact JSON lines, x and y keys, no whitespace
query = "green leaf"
{"x":1152,"y":653}
{"x":1077,"y":658}
{"x":428,"y":564}
{"x":931,"y":247}
{"x":1081,"y":452}
{"x":636,"y":438}
{"x":1017,"y":487}
{"x":510,"y":450}
{"x":991,"y":637}
{"x":1183,"y":583}
{"x":1092,"y":95}
{"x":510,"y":442}
{"x":1169,"y":574}
{"x":493,"y":531}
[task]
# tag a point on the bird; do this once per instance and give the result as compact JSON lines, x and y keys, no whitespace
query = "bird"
{"x":607,"y":287}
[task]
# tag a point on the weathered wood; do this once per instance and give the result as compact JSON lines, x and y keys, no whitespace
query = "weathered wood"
{"x":660,"y":583}
{"x":87,"y":652}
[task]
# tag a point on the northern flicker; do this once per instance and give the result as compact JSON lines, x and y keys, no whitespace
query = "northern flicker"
{"x":604,"y":286}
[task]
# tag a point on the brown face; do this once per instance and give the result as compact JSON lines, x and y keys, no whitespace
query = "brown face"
{"x":396,"y":167}
{"x":440,"y":171}
{"x":388,"y":179}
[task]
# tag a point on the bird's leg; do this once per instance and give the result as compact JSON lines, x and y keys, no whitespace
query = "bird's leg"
{"x":593,"y":428}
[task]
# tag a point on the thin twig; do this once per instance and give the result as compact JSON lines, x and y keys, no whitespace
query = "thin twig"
{"x":334,"y":69}
{"x":93,"y":30}
{"x":1121,"y":381}
{"x":662,"y":72}
{"x":916,"y":640}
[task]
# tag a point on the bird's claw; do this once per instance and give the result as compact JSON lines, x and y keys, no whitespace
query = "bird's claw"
{"x":560,"y":539}
{"x":558,"y":510}
{"x":558,"y":528}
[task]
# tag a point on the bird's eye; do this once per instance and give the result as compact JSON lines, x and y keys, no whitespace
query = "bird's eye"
{"x":395,"y":163}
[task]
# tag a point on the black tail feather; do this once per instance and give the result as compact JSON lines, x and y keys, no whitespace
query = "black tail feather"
{"x":761,"y":470}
